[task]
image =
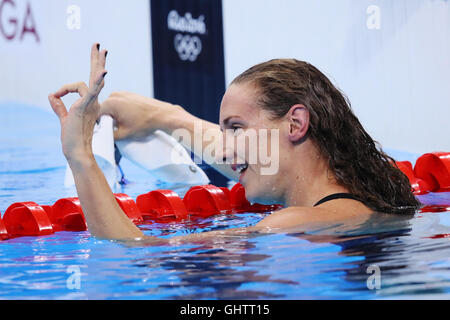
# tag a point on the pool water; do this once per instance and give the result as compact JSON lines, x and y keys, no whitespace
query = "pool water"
{"x":387,"y":257}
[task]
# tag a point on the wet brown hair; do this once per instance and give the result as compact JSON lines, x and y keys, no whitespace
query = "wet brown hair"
{"x":355,"y":159}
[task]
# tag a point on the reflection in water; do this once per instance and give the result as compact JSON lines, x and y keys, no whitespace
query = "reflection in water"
{"x":229,"y":269}
{"x":401,"y":247}
{"x":220,"y":270}
{"x":326,"y":263}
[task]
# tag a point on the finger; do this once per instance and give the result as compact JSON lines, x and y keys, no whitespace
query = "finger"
{"x":97,"y":85}
{"x":94,"y":62}
{"x":102,"y":58}
{"x":95,"y":49}
{"x":79,"y":87}
{"x":99,"y":67}
{"x":58,"y":106}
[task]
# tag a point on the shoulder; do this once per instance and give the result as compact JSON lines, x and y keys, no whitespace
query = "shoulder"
{"x":341,"y":210}
{"x":290,"y":217}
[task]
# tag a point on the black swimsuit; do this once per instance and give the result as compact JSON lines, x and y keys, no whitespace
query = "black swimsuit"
{"x":335,"y":196}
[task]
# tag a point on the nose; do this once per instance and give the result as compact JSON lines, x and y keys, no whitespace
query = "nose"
{"x":229,"y":151}
{"x":227,"y":154}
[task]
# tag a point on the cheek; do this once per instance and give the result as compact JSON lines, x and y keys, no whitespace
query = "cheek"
{"x":267,"y":152}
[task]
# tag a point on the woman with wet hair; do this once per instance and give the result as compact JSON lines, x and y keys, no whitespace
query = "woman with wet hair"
{"x":352,"y":156}
{"x":329,"y":170}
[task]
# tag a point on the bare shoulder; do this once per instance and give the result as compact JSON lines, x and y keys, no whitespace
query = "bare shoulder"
{"x":342,"y":210}
{"x":291,"y":216}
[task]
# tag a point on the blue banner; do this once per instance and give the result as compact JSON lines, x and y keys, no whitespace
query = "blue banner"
{"x":188,"y":56}
{"x":188,"y":59}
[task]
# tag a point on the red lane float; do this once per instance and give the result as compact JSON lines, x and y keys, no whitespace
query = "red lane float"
{"x":434,"y":208}
{"x":3,"y":231}
{"x":440,"y":236}
{"x":434,"y":169}
{"x":237,"y":198}
{"x":27,"y":219}
{"x":431,"y":173}
{"x":206,"y":201}
{"x":227,"y":192}
{"x":129,"y":207}
{"x":418,"y":186}
{"x":161,"y":204}
{"x":66,"y":215}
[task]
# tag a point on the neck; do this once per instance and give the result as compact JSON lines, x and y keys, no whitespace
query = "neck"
{"x":312,"y":180}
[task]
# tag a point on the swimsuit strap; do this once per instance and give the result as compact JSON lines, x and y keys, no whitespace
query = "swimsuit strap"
{"x":335,"y":196}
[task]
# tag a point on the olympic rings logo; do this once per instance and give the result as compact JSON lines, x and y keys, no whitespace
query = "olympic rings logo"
{"x":188,"y":47}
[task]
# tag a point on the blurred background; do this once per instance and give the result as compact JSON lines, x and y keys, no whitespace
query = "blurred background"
{"x":390,"y":57}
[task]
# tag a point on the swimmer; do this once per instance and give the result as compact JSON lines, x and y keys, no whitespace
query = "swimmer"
{"x":329,"y":169}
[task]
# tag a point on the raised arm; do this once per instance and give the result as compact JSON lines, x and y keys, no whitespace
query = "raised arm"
{"x":104,"y":217}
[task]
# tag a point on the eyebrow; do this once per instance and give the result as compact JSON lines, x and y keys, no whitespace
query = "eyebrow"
{"x":228,"y":120}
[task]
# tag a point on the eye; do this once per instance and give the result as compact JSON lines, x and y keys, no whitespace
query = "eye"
{"x":236,"y":129}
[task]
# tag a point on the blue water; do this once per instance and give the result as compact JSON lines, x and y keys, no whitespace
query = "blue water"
{"x":332,"y":263}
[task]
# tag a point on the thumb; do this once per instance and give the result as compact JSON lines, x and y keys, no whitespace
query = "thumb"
{"x":58,"y":106}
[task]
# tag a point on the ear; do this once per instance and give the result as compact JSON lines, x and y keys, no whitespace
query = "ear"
{"x":298,"y":117}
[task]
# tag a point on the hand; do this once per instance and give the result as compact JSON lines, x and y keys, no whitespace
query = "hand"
{"x":77,"y":124}
{"x":137,"y":116}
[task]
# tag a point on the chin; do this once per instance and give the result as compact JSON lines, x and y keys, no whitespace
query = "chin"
{"x":259,"y":196}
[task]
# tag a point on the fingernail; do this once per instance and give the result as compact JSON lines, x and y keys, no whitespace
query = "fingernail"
{"x":106,"y":53}
{"x":98,"y":46}
{"x":104,"y":74}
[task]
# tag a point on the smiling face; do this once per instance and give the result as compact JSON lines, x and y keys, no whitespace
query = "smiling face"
{"x":255,"y":142}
